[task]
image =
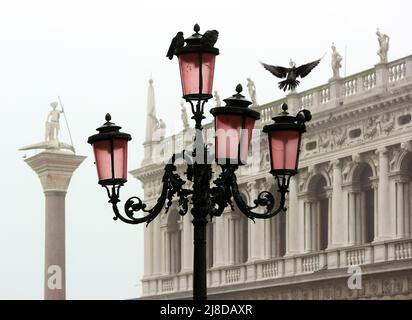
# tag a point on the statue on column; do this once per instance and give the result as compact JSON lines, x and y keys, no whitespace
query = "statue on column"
{"x":52,"y":130}
{"x":336,"y":62}
{"x":217,"y":99}
{"x":53,"y":123}
{"x":252,"y":91}
{"x":184,"y":116}
{"x":383,"y":40}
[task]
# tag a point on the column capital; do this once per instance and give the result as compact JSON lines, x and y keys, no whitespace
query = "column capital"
{"x":382,"y":151}
{"x":55,"y":169}
{"x":336,"y":164}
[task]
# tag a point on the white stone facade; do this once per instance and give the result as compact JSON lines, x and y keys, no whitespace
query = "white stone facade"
{"x":350,"y":204}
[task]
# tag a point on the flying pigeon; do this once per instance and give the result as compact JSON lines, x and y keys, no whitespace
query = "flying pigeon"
{"x":209,"y":38}
{"x":177,"y":42}
{"x":290,"y":73}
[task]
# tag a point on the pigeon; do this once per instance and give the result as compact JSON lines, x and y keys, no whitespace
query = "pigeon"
{"x":290,"y":73}
{"x":209,"y":38}
{"x":177,"y":42}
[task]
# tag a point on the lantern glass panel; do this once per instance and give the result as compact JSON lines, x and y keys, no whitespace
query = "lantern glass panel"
{"x":284,"y":149}
{"x":189,"y":71}
{"x":230,"y":137}
{"x":102,"y":153}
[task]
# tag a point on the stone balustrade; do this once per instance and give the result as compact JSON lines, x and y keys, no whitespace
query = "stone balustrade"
{"x":287,"y":266}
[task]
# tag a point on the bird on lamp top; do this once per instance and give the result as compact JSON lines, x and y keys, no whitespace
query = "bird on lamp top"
{"x":291,"y":74}
{"x":209,"y":39}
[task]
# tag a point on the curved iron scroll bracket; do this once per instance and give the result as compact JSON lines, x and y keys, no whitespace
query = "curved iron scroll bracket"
{"x":172,"y":185}
{"x":226,"y":187}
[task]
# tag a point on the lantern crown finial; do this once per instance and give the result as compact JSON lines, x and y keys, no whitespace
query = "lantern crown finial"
{"x":196,"y":28}
{"x":108,"y":117}
{"x":284,"y":110}
{"x":239,"y":88}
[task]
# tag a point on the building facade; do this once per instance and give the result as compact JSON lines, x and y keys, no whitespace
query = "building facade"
{"x":349,"y":208}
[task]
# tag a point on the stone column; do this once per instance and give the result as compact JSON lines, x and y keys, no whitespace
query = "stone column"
{"x":187,"y":252}
{"x":292,"y":219}
{"x":351,"y":217}
{"x":167,"y":245}
{"x":257,"y":229}
{"x":385,"y":216}
{"x":55,"y":169}
{"x":231,"y":235}
{"x":375,"y":187}
{"x":402,"y":221}
{"x":337,"y":217}
{"x":308,"y":226}
{"x":329,"y":195}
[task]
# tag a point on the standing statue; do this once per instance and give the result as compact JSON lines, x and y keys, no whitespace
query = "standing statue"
{"x":383,"y":40}
{"x":336,"y":62}
{"x":217,"y":99}
{"x":252,"y":91}
{"x":159,"y":127}
{"x":52,"y":124}
{"x":51,"y":138}
{"x":184,"y":116}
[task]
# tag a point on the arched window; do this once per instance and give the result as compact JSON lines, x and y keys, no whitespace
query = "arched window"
{"x":317,"y":212}
{"x":362,"y":206}
{"x":172,"y":242}
{"x":403,"y":190}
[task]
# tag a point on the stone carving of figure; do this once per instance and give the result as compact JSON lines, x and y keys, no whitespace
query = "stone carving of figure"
{"x":339,"y":136}
{"x":217,"y":99}
{"x":184,"y":116}
{"x":387,"y":123}
{"x":52,"y":124}
{"x":324,"y":140}
{"x":252,"y":91}
{"x":371,"y":128}
{"x":383,"y":40}
{"x":336,"y":62}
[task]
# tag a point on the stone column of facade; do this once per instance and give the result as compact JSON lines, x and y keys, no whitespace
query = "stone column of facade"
{"x":308,"y":225}
{"x":402,"y":212}
{"x":167,"y":250}
{"x":157,"y":261}
{"x":257,"y":229}
{"x":336,"y":216}
{"x":231,"y":238}
{"x":187,"y":252}
{"x":329,"y":196}
{"x":55,"y":170}
{"x":375,"y":187}
{"x":351,"y":226}
{"x":385,"y":216}
{"x":293,"y":219}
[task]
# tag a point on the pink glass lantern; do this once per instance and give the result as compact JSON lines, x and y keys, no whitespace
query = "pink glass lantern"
{"x":234,"y":125}
{"x":197,"y":66}
{"x":110,"y":152}
{"x":284,"y":138}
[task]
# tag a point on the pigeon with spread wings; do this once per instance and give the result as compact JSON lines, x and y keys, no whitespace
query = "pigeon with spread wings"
{"x":291,"y":73}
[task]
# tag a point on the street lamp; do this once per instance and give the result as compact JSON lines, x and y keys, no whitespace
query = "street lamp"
{"x":233,"y":126}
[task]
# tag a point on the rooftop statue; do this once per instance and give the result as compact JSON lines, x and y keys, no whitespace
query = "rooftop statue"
{"x":383,"y":40}
{"x":252,"y":91}
{"x":336,"y":62}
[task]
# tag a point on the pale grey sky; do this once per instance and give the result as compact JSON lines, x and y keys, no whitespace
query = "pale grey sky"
{"x":98,"y":56}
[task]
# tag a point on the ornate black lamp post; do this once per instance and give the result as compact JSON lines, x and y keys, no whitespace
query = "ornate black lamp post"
{"x":233,"y":125}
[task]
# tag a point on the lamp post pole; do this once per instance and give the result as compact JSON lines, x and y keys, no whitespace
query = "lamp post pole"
{"x":234,"y":124}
